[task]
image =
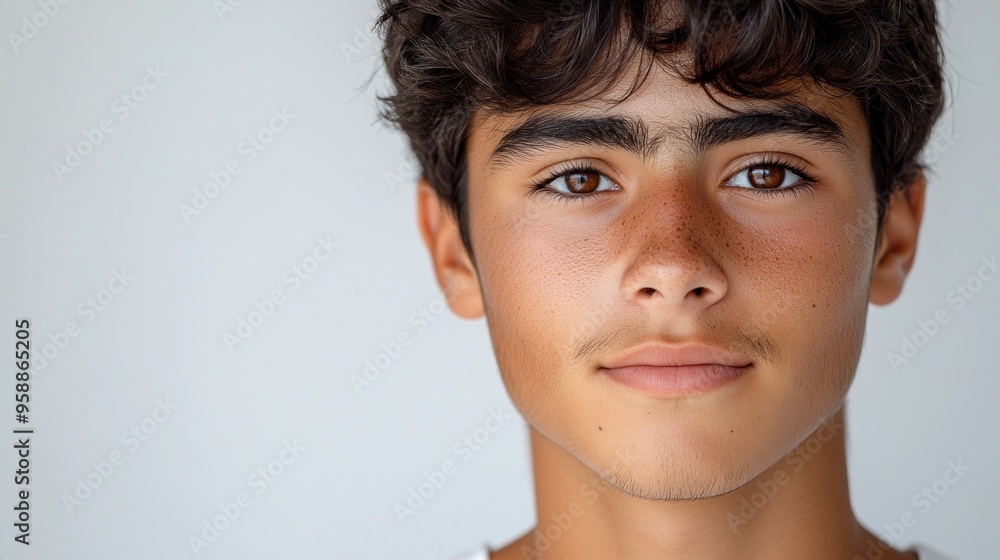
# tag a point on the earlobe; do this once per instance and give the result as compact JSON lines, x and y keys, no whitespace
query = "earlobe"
{"x":453,"y":268}
{"x":898,"y":245}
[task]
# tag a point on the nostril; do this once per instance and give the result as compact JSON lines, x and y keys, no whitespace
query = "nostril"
{"x":698,"y":291}
{"x":648,"y":291}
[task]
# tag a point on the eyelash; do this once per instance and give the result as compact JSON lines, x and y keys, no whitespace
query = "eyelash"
{"x":807,"y":183}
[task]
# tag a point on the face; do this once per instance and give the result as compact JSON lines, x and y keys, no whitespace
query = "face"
{"x":601,"y":226}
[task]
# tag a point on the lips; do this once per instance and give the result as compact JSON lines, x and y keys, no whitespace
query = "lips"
{"x":666,"y":370}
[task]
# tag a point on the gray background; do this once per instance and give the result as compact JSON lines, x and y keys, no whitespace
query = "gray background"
{"x":334,"y":172}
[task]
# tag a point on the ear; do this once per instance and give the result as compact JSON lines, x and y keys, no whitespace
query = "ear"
{"x":453,"y":268}
{"x":898,"y":245}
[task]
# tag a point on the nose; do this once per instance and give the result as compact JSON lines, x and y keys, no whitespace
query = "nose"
{"x":672,"y":267}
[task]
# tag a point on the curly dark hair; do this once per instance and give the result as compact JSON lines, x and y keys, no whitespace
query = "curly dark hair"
{"x":450,"y":58}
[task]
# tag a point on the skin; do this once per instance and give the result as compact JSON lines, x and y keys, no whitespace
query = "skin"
{"x":679,"y":254}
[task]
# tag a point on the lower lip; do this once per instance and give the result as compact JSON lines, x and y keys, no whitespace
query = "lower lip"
{"x":676,"y":381}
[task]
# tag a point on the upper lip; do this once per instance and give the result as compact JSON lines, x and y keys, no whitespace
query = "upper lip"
{"x":662,"y":354}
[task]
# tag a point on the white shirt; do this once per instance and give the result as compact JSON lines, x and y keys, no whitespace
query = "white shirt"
{"x":923,"y":553}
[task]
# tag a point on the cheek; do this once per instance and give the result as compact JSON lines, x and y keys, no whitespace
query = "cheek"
{"x":813,"y":262}
{"x":543,"y":289}
{"x":809,"y":283}
{"x":543,"y":265}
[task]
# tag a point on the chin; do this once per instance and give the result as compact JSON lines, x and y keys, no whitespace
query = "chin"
{"x":694,"y":488}
{"x":681,"y":474}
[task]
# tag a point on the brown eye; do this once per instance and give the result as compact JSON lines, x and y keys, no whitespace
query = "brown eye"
{"x":769,"y":178}
{"x":582,"y":182}
{"x":578,"y":184}
{"x":766,"y":176}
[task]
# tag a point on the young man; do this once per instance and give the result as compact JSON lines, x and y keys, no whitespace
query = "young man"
{"x":673,"y":216}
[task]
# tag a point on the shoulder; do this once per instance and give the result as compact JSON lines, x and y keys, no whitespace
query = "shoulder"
{"x":927,"y":553}
{"x":481,"y":554}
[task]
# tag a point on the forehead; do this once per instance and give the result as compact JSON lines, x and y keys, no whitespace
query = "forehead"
{"x":673,"y":113}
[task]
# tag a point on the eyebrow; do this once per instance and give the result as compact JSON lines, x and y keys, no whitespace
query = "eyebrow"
{"x":632,"y":134}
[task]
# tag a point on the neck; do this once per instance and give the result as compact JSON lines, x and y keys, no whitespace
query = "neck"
{"x":798,"y":508}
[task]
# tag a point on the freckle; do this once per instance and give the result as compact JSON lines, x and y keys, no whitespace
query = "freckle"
{"x":814,"y":305}
{"x":600,"y":428}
